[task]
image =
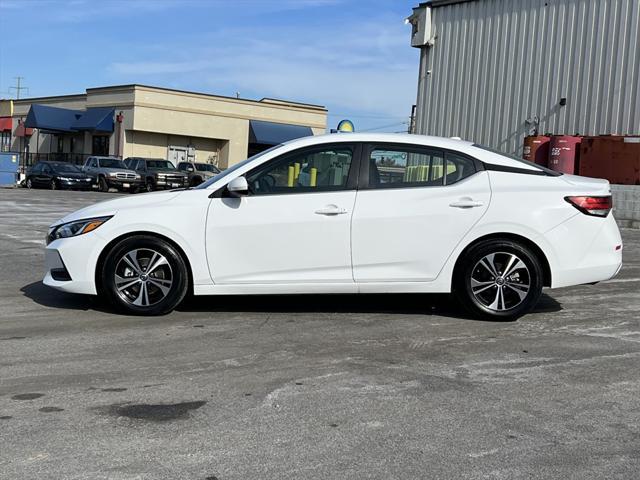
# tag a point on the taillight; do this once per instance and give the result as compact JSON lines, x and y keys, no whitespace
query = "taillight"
{"x":596,"y":206}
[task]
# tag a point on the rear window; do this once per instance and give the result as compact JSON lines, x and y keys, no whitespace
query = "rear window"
{"x":546,"y":170}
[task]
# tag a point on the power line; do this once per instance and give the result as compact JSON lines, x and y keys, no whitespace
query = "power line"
{"x":18,"y":88}
{"x":384,"y":126}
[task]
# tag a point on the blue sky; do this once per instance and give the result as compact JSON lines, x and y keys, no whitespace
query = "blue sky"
{"x":353,"y":56}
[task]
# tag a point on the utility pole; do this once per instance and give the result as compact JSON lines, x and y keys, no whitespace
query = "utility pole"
{"x":18,"y":88}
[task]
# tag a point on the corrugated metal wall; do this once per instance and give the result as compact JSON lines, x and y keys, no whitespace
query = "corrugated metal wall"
{"x":497,"y":63}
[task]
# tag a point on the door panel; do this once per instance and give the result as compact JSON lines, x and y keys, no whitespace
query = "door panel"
{"x":295,"y":238}
{"x":409,"y":220}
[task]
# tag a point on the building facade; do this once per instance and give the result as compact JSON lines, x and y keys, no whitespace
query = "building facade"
{"x":144,"y":121}
{"x":494,"y":71}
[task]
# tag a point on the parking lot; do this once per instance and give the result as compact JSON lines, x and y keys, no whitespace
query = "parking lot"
{"x":309,"y":387}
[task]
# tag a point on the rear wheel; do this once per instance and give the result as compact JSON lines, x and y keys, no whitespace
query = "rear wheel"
{"x":499,"y":279}
{"x":149,"y":187}
{"x":144,"y":275}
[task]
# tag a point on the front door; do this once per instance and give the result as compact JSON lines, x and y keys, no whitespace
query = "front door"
{"x":294,"y":225}
{"x":419,"y":204}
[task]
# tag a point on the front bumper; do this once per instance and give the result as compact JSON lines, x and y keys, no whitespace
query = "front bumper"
{"x":123,"y":184}
{"x":170,"y":183}
{"x":70,"y":263}
{"x":76,"y":184}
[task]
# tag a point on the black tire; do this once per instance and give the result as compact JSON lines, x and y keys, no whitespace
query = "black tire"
{"x":494,"y":295}
{"x":195,"y":181}
{"x":175,"y":277}
{"x":53,"y":185}
{"x":29,"y":183}
{"x":149,"y":186}
{"x":103,"y":186}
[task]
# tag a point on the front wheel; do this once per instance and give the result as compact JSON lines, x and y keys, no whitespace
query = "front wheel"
{"x":29,"y":183}
{"x":103,"y":186}
{"x":144,"y":275}
{"x":53,"y":185}
{"x":149,"y":187}
{"x":499,"y":279}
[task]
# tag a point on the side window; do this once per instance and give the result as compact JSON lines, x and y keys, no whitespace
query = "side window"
{"x":182,"y":166}
{"x":46,"y":169}
{"x":399,"y":168}
{"x":458,"y":167}
{"x":37,"y":169}
{"x":139,"y":165}
{"x":309,"y":171}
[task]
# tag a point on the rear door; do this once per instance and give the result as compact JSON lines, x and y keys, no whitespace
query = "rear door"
{"x":416,"y":205}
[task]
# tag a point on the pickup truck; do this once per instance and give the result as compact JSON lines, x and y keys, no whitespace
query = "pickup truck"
{"x":111,"y":172}
{"x":157,"y":174}
{"x":198,"y":172}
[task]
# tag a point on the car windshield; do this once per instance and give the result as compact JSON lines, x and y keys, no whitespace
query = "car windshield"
{"x":160,"y":165}
{"x":206,"y":167}
{"x":518,"y":159}
{"x":230,"y":170}
{"x":112,"y":163}
{"x":65,"y":168}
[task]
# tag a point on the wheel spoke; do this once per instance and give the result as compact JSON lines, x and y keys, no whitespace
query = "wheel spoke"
{"x":131,"y":259}
{"x":155,"y":262}
{"x":124,"y":283}
{"x":143,"y":297}
{"x":495,"y":305}
{"x":487,"y":262}
{"x":163,"y":285}
{"x":521,"y":293}
{"x":478,"y":287}
{"x":514,"y":264}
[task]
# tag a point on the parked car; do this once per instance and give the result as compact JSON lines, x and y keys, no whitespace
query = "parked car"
{"x":57,"y":175}
{"x":111,"y":172}
{"x":158,"y":174}
{"x":198,"y":172}
{"x":315,"y":215}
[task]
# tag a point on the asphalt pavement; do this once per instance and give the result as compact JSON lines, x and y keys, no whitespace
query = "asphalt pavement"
{"x":310,"y":387}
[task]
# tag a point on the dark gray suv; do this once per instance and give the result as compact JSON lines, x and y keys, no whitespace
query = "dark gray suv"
{"x":111,"y":172}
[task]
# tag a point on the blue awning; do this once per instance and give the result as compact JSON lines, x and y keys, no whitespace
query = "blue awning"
{"x":51,"y":118}
{"x":269,"y":133}
{"x":55,"y":119}
{"x":95,"y":119}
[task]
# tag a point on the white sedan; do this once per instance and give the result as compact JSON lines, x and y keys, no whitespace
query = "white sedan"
{"x":347,"y":213}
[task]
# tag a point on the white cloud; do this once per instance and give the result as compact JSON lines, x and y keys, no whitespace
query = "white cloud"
{"x":367,"y":67}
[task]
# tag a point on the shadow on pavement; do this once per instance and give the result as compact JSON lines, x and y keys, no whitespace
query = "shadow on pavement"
{"x":48,"y":297}
{"x":406,"y":304}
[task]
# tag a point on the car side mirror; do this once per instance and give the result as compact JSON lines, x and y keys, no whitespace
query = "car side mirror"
{"x":238,"y":187}
{"x":189,"y":169}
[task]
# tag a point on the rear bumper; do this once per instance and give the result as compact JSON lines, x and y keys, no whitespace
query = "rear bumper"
{"x":587,"y":250}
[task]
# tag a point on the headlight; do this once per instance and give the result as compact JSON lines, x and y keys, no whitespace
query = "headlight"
{"x":65,"y":179}
{"x":73,"y":229}
{"x":112,"y":174}
{"x":138,"y":176}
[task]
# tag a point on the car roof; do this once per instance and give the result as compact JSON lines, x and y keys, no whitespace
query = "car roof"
{"x":455,"y":144}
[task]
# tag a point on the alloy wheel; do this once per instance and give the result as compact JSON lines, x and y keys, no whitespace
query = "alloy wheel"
{"x":143,"y":277}
{"x":500,"y":281}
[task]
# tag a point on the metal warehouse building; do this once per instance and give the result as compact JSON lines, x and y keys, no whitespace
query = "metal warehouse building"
{"x":494,"y":71}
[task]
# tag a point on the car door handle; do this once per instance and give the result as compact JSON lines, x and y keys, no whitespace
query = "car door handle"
{"x":466,"y":203}
{"x":331,"y":210}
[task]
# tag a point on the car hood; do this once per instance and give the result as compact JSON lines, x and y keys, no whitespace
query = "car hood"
{"x":111,"y":207}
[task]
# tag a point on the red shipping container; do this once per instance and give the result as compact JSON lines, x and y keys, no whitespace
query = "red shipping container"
{"x":536,"y":149}
{"x":564,"y":154}
{"x":615,"y":158}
